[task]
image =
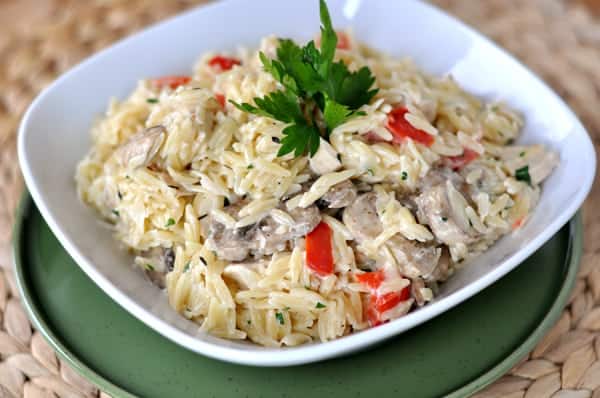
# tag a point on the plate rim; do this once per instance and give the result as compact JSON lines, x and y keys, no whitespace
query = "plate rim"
{"x":304,"y":354}
{"x":573,"y":257}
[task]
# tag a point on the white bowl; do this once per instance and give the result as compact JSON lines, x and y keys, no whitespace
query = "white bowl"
{"x":54,"y":136}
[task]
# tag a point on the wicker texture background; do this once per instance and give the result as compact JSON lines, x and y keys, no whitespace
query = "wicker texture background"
{"x":558,"y":39}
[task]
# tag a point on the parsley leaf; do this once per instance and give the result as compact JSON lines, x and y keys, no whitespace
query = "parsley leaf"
{"x":170,"y":222}
{"x":351,"y":88}
{"x":320,"y":305}
{"x":311,"y":79}
{"x":298,"y":138}
{"x":335,"y":114}
{"x":522,"y":174}
{"x":328,"y":39}
{"x":279,"y":105}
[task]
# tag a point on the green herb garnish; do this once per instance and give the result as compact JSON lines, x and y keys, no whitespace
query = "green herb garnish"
{"x":522,"y":154}
{"x":311,"y":81}
{"x":250,"y":167}
{"x":115,"y":212}
{"x":522,"y":174}
{"x":320,"y":305}
{"x":444,"y":219}
{"x":280,"y":318}
{"x":404,"y":175}
{"x":152,"y":100}
{"x":170,"y":222}
{"x":149,"y":267}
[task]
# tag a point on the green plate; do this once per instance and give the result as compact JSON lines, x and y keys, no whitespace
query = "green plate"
{"x":454,"y":354}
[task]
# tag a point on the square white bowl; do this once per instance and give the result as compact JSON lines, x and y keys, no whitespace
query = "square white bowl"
{"x":55,"y":135}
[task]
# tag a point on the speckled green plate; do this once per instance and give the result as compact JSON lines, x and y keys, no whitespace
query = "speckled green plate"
{"x":454,"y":354}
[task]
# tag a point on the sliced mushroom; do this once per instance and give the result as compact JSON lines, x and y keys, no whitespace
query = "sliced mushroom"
{"x":141,"y":148}
{"x":414,"y":259}
{"x":161,"y":261}
{"x":444,"y":268}
{"x":231,"y":244}
{"x":339,"y":196}
{"x":434,"y":209}
{"x":416,"y":287}
{"x":361,"y":218}
{"x":265,"y":237}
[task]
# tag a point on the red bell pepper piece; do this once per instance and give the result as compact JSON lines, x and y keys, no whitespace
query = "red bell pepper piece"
{"x":223,"y":63}
{"x":371,"y":279}
{"x":458,"y":162}
{"x":319,"y":253}
{"x":171,"y":81}
{"x":390,"y":300}
{"x":402,"y":129}
{"x":220,"y":99}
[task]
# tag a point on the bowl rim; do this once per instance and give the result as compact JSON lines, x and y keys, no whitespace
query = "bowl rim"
{"x":310,"y":352}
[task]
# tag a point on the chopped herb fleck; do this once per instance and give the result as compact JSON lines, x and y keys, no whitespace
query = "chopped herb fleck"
{"x":186,"y":267}
{"x":444,"y":219}
{"x":470,"y":223}
{"x":202,"y":260}
{"x":510,"y":141}
{"x":280,"y":318}
{"x":522,"y":174}
{"x":152,"y":100}
{"x":226,"y":202}
{"x":202,"y":216}
{"x":149,"y":267}
{"x":170,"y":222}
{"x":249,"y":322}
{"x":370,"y":171}
{"x":250,"y":167}
{"x":275,"y":140}
{"x":404,"y":175}
{"x":522,"y":154}
{"x":115,"y":212}
{"x":320,"y":305}
{"x":120,"y":195}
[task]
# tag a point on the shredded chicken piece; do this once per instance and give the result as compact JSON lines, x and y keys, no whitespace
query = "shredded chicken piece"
{"x":141,"y":148}
{"x":361,"y":218}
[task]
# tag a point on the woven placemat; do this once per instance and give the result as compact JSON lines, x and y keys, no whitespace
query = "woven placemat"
{"x":558,"y":39}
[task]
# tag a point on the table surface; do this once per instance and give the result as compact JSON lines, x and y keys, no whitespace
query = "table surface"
{"x":558,"y":39}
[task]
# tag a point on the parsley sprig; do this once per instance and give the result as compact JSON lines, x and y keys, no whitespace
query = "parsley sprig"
{"x":312,"y":83}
